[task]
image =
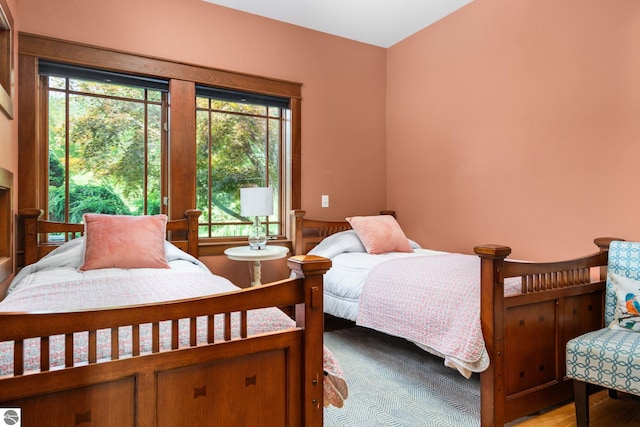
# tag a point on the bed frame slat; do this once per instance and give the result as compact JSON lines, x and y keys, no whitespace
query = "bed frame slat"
{"x":68,"y":350}
{"x":211,"y":329}
{"x":174,"y":335}
{"x":155,"y":337}
{"x":115,"y":343}
{"x":538,"y":282}
{"x":93,"y":346}
{"x":193,"y":331}
{"x":244,"y":324}
{"x":135,"y":340}
{"x":227,"y":327}
{"x":44,"y":353}
{"x":18,"y":357}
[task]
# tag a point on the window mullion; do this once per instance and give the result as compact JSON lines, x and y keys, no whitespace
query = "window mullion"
{"x":67,"y":143}
{"x":145,"y":178}
{"x":209,"y":168}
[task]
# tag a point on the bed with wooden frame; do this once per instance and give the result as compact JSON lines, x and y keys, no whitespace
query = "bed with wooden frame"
{"x":269,"y":379}
{"x":525,"y":334}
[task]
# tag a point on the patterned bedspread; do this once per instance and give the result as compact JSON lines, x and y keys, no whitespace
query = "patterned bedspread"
{"x":433,"y":301}
{"x":124,"y":290}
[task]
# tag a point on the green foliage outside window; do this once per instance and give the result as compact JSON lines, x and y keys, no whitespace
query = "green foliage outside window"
{"x":105,"y":145}
{"x":233,"y":151}
{"x":113,"y":149}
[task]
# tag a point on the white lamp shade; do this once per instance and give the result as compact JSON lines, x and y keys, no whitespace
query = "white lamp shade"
{"x":256,"y":201}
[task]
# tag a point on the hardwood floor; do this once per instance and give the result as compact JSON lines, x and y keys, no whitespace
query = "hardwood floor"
{"x":604,"y":412}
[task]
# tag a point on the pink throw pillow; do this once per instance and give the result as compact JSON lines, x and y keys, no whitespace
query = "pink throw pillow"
{"x":380,"y":234}
{"x":122,"y":241}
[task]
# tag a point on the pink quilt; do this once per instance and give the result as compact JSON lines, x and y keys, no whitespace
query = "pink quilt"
{"x":433,"y":301}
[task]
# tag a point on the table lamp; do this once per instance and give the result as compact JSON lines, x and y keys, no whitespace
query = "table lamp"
{"x":257,"y":202}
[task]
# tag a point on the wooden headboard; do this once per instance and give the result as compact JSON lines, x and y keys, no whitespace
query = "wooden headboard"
{"x":6,"y":228}
{"x":307,"y":233}
{"x":37,"y":243}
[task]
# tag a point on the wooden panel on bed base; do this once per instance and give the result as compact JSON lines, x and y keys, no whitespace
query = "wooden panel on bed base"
{"x":275,"y":378}
{"x":183,"y":233}
{"x":526,"y":334}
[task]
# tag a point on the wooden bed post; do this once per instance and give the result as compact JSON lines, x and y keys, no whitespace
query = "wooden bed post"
{"x":296,"y":235}
{"x":492,"y":312}
{"x":310,"y":316}
{"x":192,"y":230}
{"x":30,"y":217}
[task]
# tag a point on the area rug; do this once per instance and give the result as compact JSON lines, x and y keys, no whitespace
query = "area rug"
{"x":394,"y":383}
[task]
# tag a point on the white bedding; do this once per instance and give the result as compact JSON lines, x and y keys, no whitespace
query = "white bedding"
{"x":62,"y":265}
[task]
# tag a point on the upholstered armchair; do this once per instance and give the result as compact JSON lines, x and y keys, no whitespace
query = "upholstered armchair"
{"x":610,"y":357}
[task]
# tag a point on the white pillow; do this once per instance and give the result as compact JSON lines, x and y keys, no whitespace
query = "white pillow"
{"x":343,"y":241}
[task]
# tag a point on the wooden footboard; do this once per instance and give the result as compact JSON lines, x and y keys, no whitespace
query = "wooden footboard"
{"x":526,"y":334}
{"x":272,"y":379}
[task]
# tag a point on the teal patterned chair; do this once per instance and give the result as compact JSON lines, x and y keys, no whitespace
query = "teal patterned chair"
{"x":610,"y":357}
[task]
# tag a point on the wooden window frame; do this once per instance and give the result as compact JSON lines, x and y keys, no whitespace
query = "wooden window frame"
{"x":6,"y":59}
{"x":33,"y":181}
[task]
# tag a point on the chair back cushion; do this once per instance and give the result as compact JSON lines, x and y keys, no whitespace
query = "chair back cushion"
{"x":624,"y":260}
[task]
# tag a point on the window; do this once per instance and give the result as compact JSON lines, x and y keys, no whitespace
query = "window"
{"x":105,"y":142}
{"x":240,"y":141}
{"x":165,"y":103}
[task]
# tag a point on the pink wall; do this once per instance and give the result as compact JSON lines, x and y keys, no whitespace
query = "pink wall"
{"x":518,"y":123}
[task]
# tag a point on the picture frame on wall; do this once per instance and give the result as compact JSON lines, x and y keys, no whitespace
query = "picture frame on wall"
{"x":6,"y":59}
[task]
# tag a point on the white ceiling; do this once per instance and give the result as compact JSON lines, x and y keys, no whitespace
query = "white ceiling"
{"x":378,"y":22}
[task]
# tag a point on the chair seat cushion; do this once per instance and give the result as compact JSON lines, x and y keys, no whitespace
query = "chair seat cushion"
{"x":606,"y":357}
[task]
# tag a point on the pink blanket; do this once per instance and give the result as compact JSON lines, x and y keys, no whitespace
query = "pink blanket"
{"x":433,"y":301}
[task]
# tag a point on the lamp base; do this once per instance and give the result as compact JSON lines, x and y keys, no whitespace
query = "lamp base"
{"x":257,"y":236}
{"x":257,"y":246}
